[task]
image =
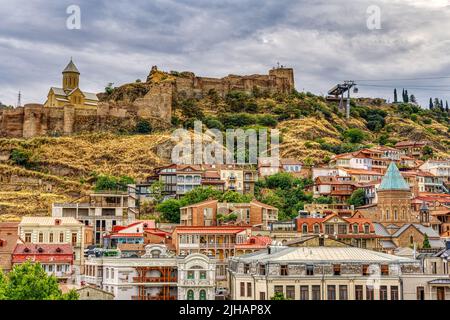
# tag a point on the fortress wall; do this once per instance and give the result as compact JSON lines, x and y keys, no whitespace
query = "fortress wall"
{"x":11,"y":122}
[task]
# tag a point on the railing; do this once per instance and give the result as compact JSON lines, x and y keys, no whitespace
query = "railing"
{"x":154,"y":280}
{"x":217,"y":245}
{"x":147,"y":298}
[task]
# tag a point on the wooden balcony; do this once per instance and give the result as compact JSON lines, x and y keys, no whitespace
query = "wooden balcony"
{"x":154,"y":280}
{"x":149,"y":298}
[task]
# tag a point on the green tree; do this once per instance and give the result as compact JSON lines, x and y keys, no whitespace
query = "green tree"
{"x":395,"y":96}
{"x":170,"y":210}
{"x":235,"y":197}
{"x":200,"y":194}
{"x":357,"y":198}
{"x":109,"y":88}
{"x":29,"y":281}
{"x":278,"y":296}
{"x":426,"y":242}
{"x":354,"y":135}
{"x":281,"y":180}
{"x":323,"y":200}
{"x":111,"y":183}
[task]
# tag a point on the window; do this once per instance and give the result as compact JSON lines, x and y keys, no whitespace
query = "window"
{"x":384,"y":270}
{"x":433,"y":268}
{"x":278,"y":289}
{"x":369,"y":293}
{"x":190,"y":275}
{"x":304,"y":293}
{"x":359,"y":293}
{"x":202,"y":295}
{"x":420,"y":293}
{"x":316,"y":229}
{"x":310,"y":270}
{"x":331,"y":292}
{"x":343,"y":292}
{"x":342,"y":229}
{"x":290,"y":292}
{"x":242,"y":289}
{"x":304,"y":228}
{"x":28,"y":237}
{"x":366,"y":228}
{"x":395,"y":214}
{"x":190,"y":295}
{"x":329,"y":229}
{"x":246,"y":268}
{"x":50,"y":239}
{"x":50,"y":268}
{"x":74,"y":238}
{"x":394,"y":292}
{"x":284,"y":270}
{"x":337,"y":269}
{"x":383,"y":293}
{"x":202,"y":275}
{"x":249,"y":289}
{"x":58,"y":268}
{"x":262,"y":296}
{"x":41,"y":237}
{"x":388,"y":216}
{"x":355,"y":228}
{"x":61,"y":237}
{"x":365,"y":270}
{"x":316,"y":292}
{"x":262,"y":269}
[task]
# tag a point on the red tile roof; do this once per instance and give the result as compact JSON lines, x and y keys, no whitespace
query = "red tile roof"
{"x":58,"y":253}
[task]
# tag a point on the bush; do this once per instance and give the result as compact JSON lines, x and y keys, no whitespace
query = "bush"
{"x":230,"y":120}
{"x":267,"y":120}
{"x":354,"y":135}
{"x":143,"y":127}
{"x":22,"y":157}
{"x":213,"y":123}
{"x":357,"y":198}
{"x":170,"y":210}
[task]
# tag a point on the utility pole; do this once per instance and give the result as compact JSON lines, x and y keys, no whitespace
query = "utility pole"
{"x":19,"y":100}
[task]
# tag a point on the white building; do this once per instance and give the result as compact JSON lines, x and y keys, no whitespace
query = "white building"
{"x":440,"y":168}
{"x":157,"y":275}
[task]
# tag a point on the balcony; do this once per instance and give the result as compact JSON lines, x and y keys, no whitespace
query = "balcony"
{"x":218,"y":245}
{"x":148,"y":298}
{"x":154,"y":280}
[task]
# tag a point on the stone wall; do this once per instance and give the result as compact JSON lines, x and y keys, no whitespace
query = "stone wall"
{"x":36,"y":120}
{"x":188,"y":85}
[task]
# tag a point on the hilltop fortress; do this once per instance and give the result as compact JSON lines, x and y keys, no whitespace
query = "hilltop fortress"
{"x":70,"y":110}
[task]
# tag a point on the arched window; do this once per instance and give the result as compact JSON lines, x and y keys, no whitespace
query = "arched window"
{"x":388,"y":216}
{"x":304,"y":228}
{"x":316,"y":229}
{"x":190,"y":295}
{"x":366,"y":228}
{"x":395,"y":214}
{"x":202,"y":295}
{"x":403,"y":214}
{"x":411,"y":239}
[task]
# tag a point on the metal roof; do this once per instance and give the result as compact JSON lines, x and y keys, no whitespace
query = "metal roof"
{"x":322,"y":254}
{"x":393,"y":180}
{"x":71,"y":67}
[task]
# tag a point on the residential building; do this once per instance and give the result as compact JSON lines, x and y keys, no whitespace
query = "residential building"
{"x":87,"y":292}
{"x":8,"y":240}
{"x":411,"y":148}
{"x":102,"y":211}
{"x":355,"y":230}
{"x":439,"y":168}
{"x":338,"y":188}
{"x":56,"y":259}
{"x":157,"y":275}
{"x":55,"y":232}
{"x":206,"y":213}
{"x":319,"y":273}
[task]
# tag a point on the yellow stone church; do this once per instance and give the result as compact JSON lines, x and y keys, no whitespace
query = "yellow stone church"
{"x":70,"y":93}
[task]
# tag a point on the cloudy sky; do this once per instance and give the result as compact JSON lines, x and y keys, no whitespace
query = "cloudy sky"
{"x":325,"y":41}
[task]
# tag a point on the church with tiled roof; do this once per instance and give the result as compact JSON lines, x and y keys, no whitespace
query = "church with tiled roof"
{"x":70,"y":93}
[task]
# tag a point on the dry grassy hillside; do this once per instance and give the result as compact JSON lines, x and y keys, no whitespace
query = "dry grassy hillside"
{"x":64,"y":168}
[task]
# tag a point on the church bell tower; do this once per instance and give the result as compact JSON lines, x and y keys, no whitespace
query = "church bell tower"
{"x":71,"y":77}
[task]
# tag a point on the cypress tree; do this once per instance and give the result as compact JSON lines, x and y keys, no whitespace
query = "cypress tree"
{"x":406,"y":96}
{"x":431,"y":104}
{"x":395,"y":95}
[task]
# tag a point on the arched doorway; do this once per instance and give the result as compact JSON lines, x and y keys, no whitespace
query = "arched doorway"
{"x":190,"y":295}
{"x":202,"y":295}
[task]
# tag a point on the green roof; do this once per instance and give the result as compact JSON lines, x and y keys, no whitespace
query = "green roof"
{"x":71,"y":67}
{"x":393,"y":180}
